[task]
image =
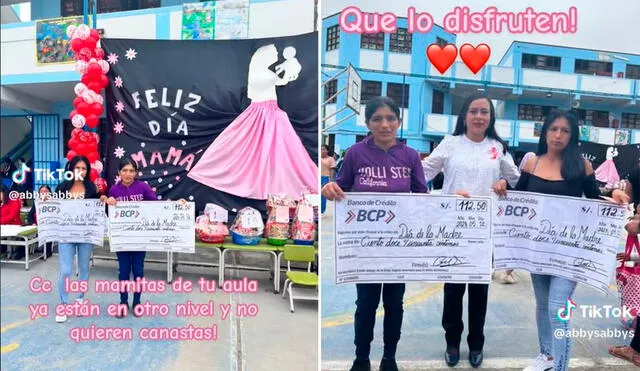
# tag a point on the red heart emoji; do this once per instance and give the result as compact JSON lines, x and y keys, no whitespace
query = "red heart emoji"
{"x":475,"y":58}
{"x":442,"y":58}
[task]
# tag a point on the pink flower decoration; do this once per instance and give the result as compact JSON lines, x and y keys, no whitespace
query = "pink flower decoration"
{"x":493,"y":153}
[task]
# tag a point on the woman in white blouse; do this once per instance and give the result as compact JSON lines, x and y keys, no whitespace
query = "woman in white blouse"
{"x":475,"y":162}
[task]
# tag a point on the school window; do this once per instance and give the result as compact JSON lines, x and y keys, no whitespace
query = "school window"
{"x":330,"y":89}
{"x":372,"y":41}
{"x":593,"y":67}
{"x":400,"y":41}
{"x":630,"y":121}
{"x":633,"y":72}
{"x":437,"y":102}
{"x":540,"y":62}
{"x":441,"y":42}
{"x":399,"y":93}
{"x":592,"y":117}
{"x":370,"y":89}
{"x":533,"y":112}
{"x":74,"y":7}
{"x":333,"y":37}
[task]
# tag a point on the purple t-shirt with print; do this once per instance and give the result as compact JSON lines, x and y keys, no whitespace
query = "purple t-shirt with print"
{"x":369,"y":168}
{"x":137,"y":191}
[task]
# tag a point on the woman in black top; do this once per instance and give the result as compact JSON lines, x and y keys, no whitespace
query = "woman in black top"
{"x":558,"y":169}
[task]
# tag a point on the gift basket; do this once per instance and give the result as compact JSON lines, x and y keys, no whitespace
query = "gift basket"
{"x":277,"y":227}
{"x":247,"y":228}
{"x":303,"y":227}
{"x":211,"y":227}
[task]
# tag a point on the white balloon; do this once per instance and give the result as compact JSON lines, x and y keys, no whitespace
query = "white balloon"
{"x":98,"y":166}
{"x":88,"y":97}
{"x":70,"y":31}
{"x":83,"y":31}
{"x":80,"y":88}
{"x":104,"y":65}
{"x":99,"y":99}
{"x":78,"y":121}
{"x":81,"y":67}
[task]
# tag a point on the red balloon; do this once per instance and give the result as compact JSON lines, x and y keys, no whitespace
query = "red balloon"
{"x":93,"y":157}
{"x":97,"y":109}
{"x":86,"y":79}
{"x":73,"y":113}
{"x":94,"y":173}
{"x":77,"y":101}
{"x":76,"y":44}
{"x":73,"y":143}
{"x":84,"y":109}
{"x":90,"y":43}
{"x":75,"y":133}
{"x":92,"y":121}
{"x":94,"y":70}
{"x":71,"y":155}
{"x":95,"y":86}
{"x":104,"y":81}
{"x":101,"y":185}
{"x":94,"y":33}
{"x":99,"y":53}
{"x":82,"y":149}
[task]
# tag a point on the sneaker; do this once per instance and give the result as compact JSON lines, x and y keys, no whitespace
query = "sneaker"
{"x":388,"y":364}
{"x":61,"y":319}
{"x":80,"y":301}
{"x":541,"y":363}
{"x":361,"y":365}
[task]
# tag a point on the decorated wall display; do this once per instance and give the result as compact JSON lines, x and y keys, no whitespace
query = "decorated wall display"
{"x":198,"y":20}
{"x":625,"y":158}
{"x":224,"y":122}
{"x":88,"y":104}
{"x":622,"y":137}
{"x":53,"y":42}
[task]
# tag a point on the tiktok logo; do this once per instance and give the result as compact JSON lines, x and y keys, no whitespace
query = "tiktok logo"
{"x":564,"y":313}
{"x":20,"y":175}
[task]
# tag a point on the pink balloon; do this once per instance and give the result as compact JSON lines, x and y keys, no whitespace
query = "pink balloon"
{"x":78,"y":121}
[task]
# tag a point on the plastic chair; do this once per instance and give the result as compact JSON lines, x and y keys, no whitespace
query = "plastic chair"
{"x":299,"y":253}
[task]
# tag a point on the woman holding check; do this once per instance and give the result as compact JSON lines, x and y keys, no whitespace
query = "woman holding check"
{"x":129,"y":189}
{"x":558,"y":169}
{"x":475,"y":162}
{"x":377,"y":154}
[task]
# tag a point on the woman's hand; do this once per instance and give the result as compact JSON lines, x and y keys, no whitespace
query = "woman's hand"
{"x":103,"y":198}
{"x":463,"y":193}
{"x":633,"y":226}
{"x":500,"y":188}
{"x":620,"y":197}
{"x":182,"y":201}
{"x":111,"y":201}
{"x":332,"y":191}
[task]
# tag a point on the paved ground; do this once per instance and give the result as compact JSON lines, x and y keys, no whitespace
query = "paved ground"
{"x":510,"y":331}
{"x":275,"y":339}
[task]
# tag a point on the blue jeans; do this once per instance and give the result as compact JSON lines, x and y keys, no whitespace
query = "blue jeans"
{"x":67,"y":253}
{"x":323,"y":201}
{"x":130,"y":262}
{"x":552,"y":294}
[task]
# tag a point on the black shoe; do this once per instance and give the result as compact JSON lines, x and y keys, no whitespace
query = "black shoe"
{"x":361,"y":365}
{"x":134,"y":310}
{"x":452,"y":356}
{"x":475,"y":358}
{"x":120,"y":314}
{"x":388,"y":364}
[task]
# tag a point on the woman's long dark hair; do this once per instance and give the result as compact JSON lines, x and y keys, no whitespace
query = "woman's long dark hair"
{"x":572,"y":160}
{"x":377,"y":102}
{"x":89,"y":187}
{"x":491,"y":130}
{"x":127,"y":161}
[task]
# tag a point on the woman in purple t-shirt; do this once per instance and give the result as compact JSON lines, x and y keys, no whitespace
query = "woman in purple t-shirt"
{"x":365,"y":169}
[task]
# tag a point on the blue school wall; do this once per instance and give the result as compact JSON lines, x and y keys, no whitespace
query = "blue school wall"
{"x":421,"y":89}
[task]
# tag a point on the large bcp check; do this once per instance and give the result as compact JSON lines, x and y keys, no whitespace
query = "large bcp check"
{"x":391,"y":237}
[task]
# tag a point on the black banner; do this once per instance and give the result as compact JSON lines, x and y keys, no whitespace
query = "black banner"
{"x":628,"y":156}
{"x":169,"y":100}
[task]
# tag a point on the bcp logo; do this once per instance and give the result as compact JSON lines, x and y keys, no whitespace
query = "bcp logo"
{"x":516,"y":211}
{"x":127,"y":214}
{"x":565,"y":313}
{"x":49,"y":209}
{"x":370,"y":216}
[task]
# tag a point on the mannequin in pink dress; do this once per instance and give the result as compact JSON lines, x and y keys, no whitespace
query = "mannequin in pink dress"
{"x":607,"y":172}
{"x":260,"y":153}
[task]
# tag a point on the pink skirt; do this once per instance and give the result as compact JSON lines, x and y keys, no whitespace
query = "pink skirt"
{"x":607,"y":172}
{"x":257,"y":154}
